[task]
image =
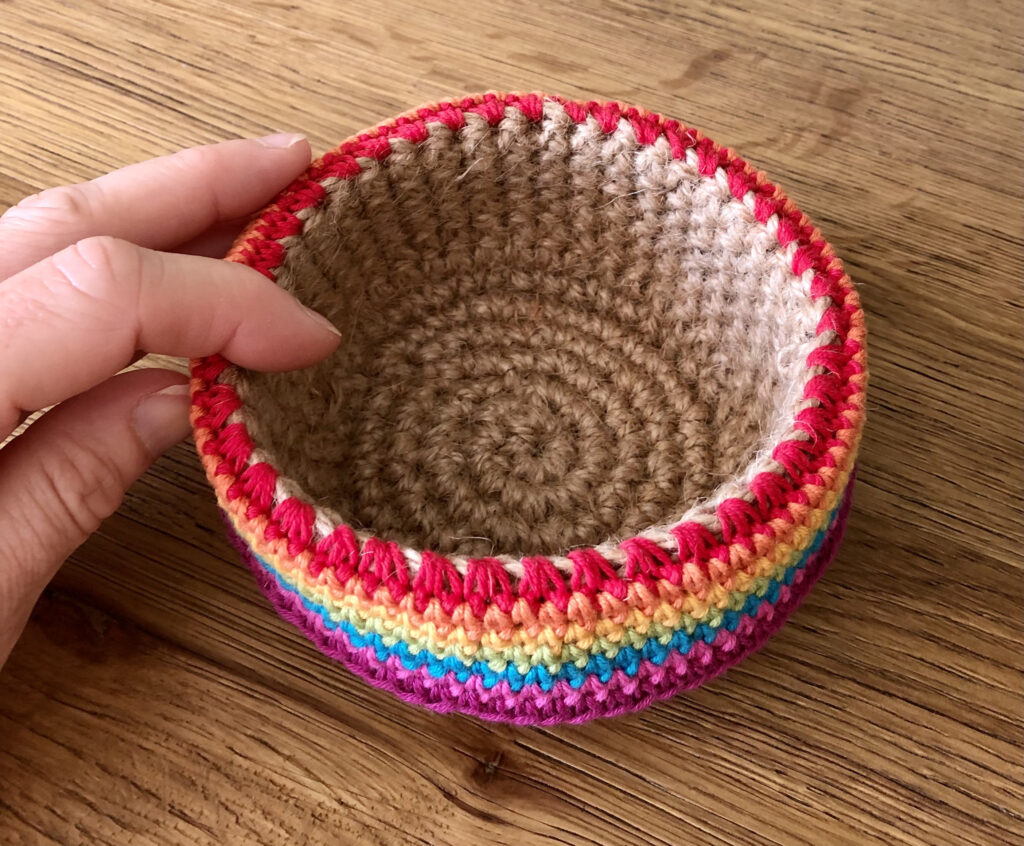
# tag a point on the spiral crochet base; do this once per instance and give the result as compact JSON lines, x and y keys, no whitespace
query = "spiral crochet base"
{"x":591,"y":431}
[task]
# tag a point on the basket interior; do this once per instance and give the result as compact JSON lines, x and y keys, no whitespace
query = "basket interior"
{"x":553,"y":337}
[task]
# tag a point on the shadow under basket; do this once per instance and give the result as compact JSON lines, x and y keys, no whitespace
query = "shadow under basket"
{"x":590,"y":434}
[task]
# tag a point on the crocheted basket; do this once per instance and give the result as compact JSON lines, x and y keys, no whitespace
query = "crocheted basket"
{"x":590,"y":434}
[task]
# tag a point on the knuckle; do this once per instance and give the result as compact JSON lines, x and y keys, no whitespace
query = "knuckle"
{"x":103,"y":252}
{"x":65,"y":207}
{"x":80,"y":488}
{"x":199,"y":165}
{"x":189,"y":159}
{"x":98,"y":265}
{"x":95,"y":280}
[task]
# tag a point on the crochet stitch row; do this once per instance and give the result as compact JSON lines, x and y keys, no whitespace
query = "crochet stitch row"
{"x":419,"y":648}
{"x":608,"y":625}
{"x":609,"y":693}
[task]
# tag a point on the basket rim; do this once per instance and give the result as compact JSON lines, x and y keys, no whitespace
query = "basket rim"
{"x":271,"y":511}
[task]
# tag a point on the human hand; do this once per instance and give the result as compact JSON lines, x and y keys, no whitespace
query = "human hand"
{"x":84,"y":290}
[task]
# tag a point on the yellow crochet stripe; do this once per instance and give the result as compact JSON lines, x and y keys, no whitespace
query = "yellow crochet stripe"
{"x":363,"y":612}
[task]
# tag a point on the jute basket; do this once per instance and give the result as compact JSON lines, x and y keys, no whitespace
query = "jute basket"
{"x":590,"y":434}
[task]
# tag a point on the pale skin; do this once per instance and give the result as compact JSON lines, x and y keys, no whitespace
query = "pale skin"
{"x":92,"y":276}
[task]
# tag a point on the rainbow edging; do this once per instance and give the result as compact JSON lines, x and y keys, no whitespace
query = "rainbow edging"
{"x":427,"y":606}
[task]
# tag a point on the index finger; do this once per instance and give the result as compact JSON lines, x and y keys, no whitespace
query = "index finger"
{"x":156,"y":204}
{"x":73,"y":320}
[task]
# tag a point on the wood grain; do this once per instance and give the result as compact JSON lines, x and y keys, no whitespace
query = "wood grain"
{"x":155,"y":699}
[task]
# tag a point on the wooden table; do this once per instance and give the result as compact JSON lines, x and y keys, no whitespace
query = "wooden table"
{"x":155,"y":698}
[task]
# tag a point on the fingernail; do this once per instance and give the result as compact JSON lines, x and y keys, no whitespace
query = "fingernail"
{"x":321,"y":321}
{"x":281,"y":140}
{"x":161,"y":418}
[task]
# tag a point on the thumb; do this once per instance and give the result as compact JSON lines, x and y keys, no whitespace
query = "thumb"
{"x":70,"y":470}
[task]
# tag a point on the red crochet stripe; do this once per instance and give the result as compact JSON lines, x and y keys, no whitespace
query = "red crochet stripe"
{"x":486,"y":580}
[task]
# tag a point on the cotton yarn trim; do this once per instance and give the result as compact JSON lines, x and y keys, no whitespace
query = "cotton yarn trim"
{"x":575,"y":630}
